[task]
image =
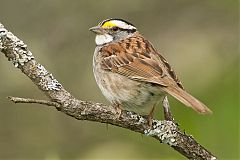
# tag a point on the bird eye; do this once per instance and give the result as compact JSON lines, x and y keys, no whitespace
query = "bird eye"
{"x":115,"y":29}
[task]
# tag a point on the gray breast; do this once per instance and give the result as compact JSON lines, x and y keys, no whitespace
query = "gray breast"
{"x":129,"y":94}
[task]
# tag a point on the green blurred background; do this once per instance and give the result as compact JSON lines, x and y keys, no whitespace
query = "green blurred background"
{"x":198,"y":38}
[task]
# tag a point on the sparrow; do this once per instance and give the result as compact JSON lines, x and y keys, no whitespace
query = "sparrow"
{"x":131,"y":73}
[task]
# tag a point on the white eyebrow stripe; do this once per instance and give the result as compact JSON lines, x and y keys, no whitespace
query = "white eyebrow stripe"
{"x":122,"y":24}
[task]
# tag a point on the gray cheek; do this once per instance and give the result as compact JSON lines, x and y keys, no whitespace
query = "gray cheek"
{"x":120,"y":35}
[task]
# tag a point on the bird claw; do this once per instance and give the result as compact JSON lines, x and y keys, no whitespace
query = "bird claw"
{"x":118,"y":110}
{"x":150,"y":118}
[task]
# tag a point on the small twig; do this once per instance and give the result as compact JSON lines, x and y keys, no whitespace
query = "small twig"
{"x":29,"y":100}
{"x":166,"y":108}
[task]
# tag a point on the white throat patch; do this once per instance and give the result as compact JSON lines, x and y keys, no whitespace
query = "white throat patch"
{"x":102,"y":39}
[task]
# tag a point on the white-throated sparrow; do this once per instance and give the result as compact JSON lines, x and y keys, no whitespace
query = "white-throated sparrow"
{"x":131,"y":73}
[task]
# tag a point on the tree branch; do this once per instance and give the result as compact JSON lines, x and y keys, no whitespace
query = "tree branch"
{"x":166,"y":131}
{"x":29,"y":100}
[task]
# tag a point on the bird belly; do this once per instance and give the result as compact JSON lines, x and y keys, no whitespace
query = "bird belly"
{"x":129,"y":94}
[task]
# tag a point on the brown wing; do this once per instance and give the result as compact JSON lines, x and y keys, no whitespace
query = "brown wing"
{"x":136,"y":58}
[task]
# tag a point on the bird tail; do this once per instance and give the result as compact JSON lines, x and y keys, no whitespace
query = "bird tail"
{"x":187,"y":99}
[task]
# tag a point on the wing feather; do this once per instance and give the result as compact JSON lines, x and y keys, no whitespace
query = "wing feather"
{"x":136,"y":59}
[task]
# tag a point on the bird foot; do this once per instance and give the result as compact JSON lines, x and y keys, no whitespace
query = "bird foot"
{"x":118,"y":110}
{"x":150,"y":118}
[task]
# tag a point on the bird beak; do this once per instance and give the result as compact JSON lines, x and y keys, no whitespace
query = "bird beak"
{"x":97,"y":30}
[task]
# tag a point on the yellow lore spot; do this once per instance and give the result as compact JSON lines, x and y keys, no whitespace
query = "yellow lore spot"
{"x":108,"y":24}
